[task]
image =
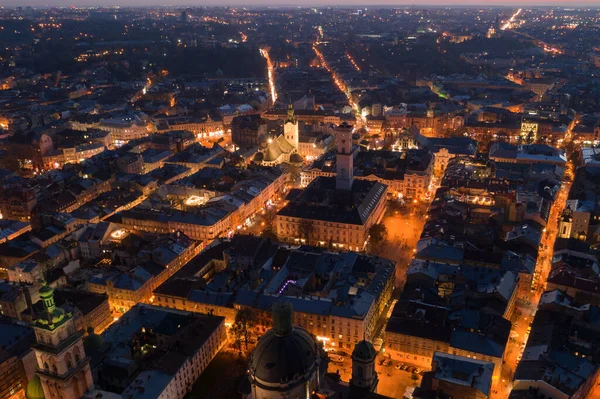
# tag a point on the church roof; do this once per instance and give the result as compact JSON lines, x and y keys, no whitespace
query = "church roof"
{"x":278,"y":147}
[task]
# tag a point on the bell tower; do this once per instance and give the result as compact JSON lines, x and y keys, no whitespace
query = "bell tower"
{"x":363,"y":366}
{"x":290,"y":128}
{"x":344,"y":158}
{"x":62,"y":366}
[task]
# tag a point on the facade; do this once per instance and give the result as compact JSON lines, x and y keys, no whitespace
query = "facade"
{"x":125,"y":129}
{"x":202,"y":128}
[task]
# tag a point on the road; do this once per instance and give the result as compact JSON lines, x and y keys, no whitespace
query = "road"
{"x":526,"y":311}
{"x":340,"y":84}
{"x":270,"y":73}
{"x":508,"y":24}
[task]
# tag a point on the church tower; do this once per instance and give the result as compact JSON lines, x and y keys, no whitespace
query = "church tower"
{"x":344,"y":158}
{"x":363,"y":366}
{"x":290,"y":128}
{"x":63,"y":368}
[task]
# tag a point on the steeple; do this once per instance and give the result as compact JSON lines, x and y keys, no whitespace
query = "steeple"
{"x":290,"y":128}
{"x":291,"y":118}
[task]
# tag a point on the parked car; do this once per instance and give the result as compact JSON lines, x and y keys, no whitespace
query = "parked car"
{"x":399,"y":366}
{"x":417,"y":371}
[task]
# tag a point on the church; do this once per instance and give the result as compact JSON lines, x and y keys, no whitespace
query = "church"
{"x":284,"y":148}
{"x":289,"y":362}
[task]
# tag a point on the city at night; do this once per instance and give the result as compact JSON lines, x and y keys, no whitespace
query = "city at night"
{"x":300,"y":200}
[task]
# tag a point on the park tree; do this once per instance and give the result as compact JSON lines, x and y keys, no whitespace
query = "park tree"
{"x":377,"y":237}
{"x":242,"y":325}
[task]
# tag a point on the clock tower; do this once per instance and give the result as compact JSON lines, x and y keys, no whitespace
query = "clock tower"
{"x":62,"y":366}
{"x":344,"y":158}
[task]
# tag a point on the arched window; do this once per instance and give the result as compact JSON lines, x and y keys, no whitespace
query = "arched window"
{"x":46,"y":366}
{"x":54,"y":369}
{"x":69,"y":364}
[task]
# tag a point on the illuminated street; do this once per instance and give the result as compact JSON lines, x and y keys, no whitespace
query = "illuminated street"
{"x":270,"y":74}
{"x":340,"y":84}
{"x":508,"y":24}
{"x":524,"y":314}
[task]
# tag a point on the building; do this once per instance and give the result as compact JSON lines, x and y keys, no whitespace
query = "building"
{"x":63,"y":367}
{"x":337,"y":212}
{"x":202,"y":128}
{"x":576,"y":219}
{"x":283,"y":148}
{"x":407,"y":174}
{"x":17,"y":360}
{"x":557,"y":361}
{"x":417,"y":331}
{"x":124,"y":129}
{"x":178,"y":346}
{"x":10,"y":229}
{"x":148,"y":269}
{"x":324,"y":216}
{"x":339,"y":316}
{"x":12,"y":299}
{"x":248,"y":130}
{"x":455,"y":376}
{"x":530,"y":154}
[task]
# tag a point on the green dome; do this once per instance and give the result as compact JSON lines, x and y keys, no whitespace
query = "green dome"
{"x":34,"y":388}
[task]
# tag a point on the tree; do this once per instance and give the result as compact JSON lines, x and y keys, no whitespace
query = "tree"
{"x":269,"y":217}
{"x":243,"y":322}
{"x":377,"y":236}
{"x":306,"y":229}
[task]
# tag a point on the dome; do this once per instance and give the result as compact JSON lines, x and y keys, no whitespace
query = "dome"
{"x":34,"y":388}
{"x":364,"y":350}
{"x":285,"y":353}
{"x":284,"y":358}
